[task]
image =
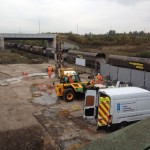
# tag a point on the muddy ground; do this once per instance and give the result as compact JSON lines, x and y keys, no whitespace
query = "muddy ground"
{"x":32,"y":117}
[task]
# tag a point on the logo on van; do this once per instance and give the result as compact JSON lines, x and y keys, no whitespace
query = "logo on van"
{"x":118,"y":107}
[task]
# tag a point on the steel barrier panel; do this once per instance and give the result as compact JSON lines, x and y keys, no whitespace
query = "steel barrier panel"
{"x":137,"y":78}
{"x":104,"y":69}
{"x":147,"y":80}
{"x":113,"y":73}
{"x":124,"y":74}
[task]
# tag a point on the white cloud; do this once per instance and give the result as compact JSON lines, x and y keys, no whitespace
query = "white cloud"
{"x":96,"y":16}
{"x":127,"y":2}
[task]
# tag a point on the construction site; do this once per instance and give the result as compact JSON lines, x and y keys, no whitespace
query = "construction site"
{"x":42,"y":109}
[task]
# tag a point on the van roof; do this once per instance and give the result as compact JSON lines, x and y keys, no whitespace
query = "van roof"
{"x":123,"y":91}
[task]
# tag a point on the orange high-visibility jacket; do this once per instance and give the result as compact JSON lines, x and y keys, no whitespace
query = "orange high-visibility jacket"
{"x":99,"y":78}
{"x":50,"y":69}
{"x":70,"y":79}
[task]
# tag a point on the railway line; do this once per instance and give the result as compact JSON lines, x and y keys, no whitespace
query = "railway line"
{"x":92,"y":59}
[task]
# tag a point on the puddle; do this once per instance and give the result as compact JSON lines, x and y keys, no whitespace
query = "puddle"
{"x":46,"y":99}
{"x":14,"y":80}
{"x":41,"y":74}
{"x":26,"y":76}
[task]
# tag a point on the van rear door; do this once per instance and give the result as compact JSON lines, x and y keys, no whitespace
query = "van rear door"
{"x":103,"y":111}
{"x":89,"y":104}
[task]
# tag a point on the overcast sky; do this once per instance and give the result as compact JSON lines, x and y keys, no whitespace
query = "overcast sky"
{"x":77,"y":16}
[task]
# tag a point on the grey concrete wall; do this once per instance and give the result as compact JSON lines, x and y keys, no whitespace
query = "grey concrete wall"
{"x":104,"y":70}
{"x":147,"y":80}
{"x":124,"y":74}
{"x":114,"y":73}
{"x":2,"y":47}
{"x":137,"y":78}
{"x":67,"y":45}
{"x":27,"y":36}
{"x":64,"y":45}
{"x":51,"y":43}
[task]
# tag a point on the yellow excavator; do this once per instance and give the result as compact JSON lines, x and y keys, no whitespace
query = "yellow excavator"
{"x":69,"y":90}
{"x":65,"y":88}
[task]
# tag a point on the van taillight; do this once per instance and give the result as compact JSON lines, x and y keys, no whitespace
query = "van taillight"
{"x":110,"y":119}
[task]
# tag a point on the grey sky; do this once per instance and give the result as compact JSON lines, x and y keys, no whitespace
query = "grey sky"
{"x":84,"y":16}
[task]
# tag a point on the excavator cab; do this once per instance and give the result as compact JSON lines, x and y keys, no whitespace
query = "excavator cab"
{"x":65,"y":78}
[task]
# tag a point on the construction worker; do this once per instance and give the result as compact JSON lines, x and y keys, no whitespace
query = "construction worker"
{"x":66,"y":78}
{"x":50,"y":69}
{"x":99,"y":79}
{"x":70,"y":79}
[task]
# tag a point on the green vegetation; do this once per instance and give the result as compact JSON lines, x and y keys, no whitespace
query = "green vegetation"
{"x":32,"y":58}
{"x":18,"y":57}
{"x":144,"y":54}
{"x":12,"y":58}
{"x":111,"y":38}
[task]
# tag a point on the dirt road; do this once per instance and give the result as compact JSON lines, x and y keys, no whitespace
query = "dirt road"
{"x":32,"y":117}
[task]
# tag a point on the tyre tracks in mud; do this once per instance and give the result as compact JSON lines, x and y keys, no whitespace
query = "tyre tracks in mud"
{"x":66,"y":126}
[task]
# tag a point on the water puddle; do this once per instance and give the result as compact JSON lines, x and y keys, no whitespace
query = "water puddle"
{"x":43,"y":94}
{"x":46,"y":99}
{"x":26,"y":76}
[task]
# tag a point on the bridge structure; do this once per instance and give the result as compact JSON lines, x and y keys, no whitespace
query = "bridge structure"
{"x":51,"y":38}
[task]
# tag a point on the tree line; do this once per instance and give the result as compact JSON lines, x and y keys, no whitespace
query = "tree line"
{"x":111,"y":38}
{"x":90,"y":39}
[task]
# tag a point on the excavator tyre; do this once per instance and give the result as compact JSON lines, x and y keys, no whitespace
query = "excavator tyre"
{"x":69,"y":95}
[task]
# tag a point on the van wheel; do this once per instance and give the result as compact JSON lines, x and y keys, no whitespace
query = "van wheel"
{"x":69,"y":95}
{"x":123,"y":125}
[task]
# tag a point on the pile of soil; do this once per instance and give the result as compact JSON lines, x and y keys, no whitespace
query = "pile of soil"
{"x":31,"y":138}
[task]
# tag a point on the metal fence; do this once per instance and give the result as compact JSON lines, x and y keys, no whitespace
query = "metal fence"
{"x":137,"y":78}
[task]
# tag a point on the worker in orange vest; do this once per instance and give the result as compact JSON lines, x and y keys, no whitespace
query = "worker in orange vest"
{"x":50,"y":69}
{"x":70,"y":79}
{"x":99,"y":79}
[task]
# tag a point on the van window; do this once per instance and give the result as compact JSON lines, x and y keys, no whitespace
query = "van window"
{"x":89,"y":101}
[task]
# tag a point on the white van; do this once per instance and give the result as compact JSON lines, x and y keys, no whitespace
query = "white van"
{"x":117,"y":105}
